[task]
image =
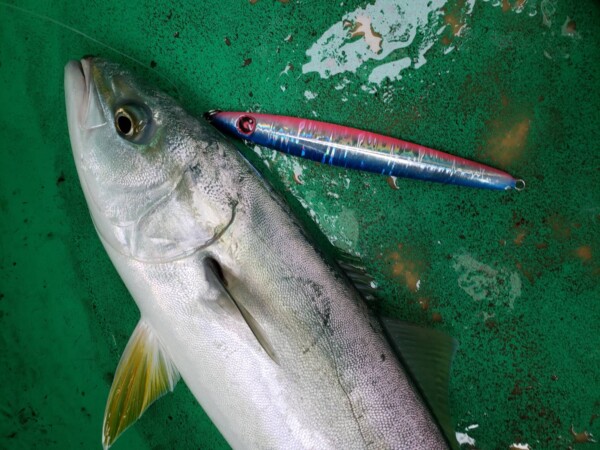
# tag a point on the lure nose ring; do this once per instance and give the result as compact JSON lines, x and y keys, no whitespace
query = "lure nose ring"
{"x":211,"y":114}
{"x":519,"y":185}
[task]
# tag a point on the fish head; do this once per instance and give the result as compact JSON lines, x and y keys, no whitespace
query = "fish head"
{"x":153,"y":188}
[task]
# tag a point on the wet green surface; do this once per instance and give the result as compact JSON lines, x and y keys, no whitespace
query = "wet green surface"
{"x":513,"y":276}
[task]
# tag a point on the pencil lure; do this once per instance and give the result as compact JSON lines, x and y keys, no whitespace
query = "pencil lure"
{"x":358,"y":149}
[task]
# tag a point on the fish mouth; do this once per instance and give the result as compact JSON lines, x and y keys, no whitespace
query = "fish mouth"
{"x":83,"y":107}
{"x":84,"y":113}
{"x":77,"y":90}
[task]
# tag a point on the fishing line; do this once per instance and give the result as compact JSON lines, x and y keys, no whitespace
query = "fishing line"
{"x":90,"y":38}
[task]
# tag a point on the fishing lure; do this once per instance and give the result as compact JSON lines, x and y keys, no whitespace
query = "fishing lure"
{"x":357,"y":149}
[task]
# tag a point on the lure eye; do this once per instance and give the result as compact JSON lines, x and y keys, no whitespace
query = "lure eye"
{"x":134,"y":123}
{"x":246,"y":125}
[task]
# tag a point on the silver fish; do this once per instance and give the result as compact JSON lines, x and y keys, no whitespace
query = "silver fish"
{"x":273,"y":339}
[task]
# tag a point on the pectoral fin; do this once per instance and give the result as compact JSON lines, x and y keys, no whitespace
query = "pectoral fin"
{"x":215,"y":270}
{"x":427,"y":354}
{"x":145,"y":372}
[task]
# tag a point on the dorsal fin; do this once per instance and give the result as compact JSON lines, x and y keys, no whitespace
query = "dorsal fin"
{"x":427,"y":354}
{"x":214,"y":269}
{"x":357,"y":273}
{"x":144,"y":374}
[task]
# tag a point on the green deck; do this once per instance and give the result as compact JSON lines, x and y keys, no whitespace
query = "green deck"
{"x":513,"y":276}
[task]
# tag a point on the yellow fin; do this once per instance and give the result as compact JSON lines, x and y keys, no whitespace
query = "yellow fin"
{"x":144,"y":374}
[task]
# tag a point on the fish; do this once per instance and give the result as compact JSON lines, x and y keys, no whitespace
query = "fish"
{"x":352,"y":148}
{"x":270,"y":334}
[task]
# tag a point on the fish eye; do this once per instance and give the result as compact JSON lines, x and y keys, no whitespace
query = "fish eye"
{"x":124,"y":122}
{"x":134,"y":123}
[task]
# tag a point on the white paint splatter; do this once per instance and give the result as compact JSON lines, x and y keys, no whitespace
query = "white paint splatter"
{"x":390,"y":70}
{"x":421,"y":59}
{"x":398,"y":24}
{"x":362,"y":27}
{"x":464,"y":438}
{"x":388,"y":94}
{"x":470,"y":6}
{"x":310,"y":95}
{"x":519,"y":446}
{"x":342,"y":84}
{"x":472,"y":427}
{"x":517,"y":7}
{"x":286,"y":69}
{"x":482,"y":282}
{"x":369,"y":89}
{"x":258,"y":150}
{"x":487,"y":316}
{"x":532,"y":9}
{"x":548,"y":8}
{"x":568,"y":29}
{"x":382,"y":34}
{"x":298,"y":170}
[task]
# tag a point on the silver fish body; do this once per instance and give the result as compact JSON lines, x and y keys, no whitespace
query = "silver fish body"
{"x":167,"y":193}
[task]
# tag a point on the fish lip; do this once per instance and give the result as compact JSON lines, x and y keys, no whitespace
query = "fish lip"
{"x":84,"y":65}
{"x":81,"y":94}
{"x":77,"y":86}
{"x":78,"y":83}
